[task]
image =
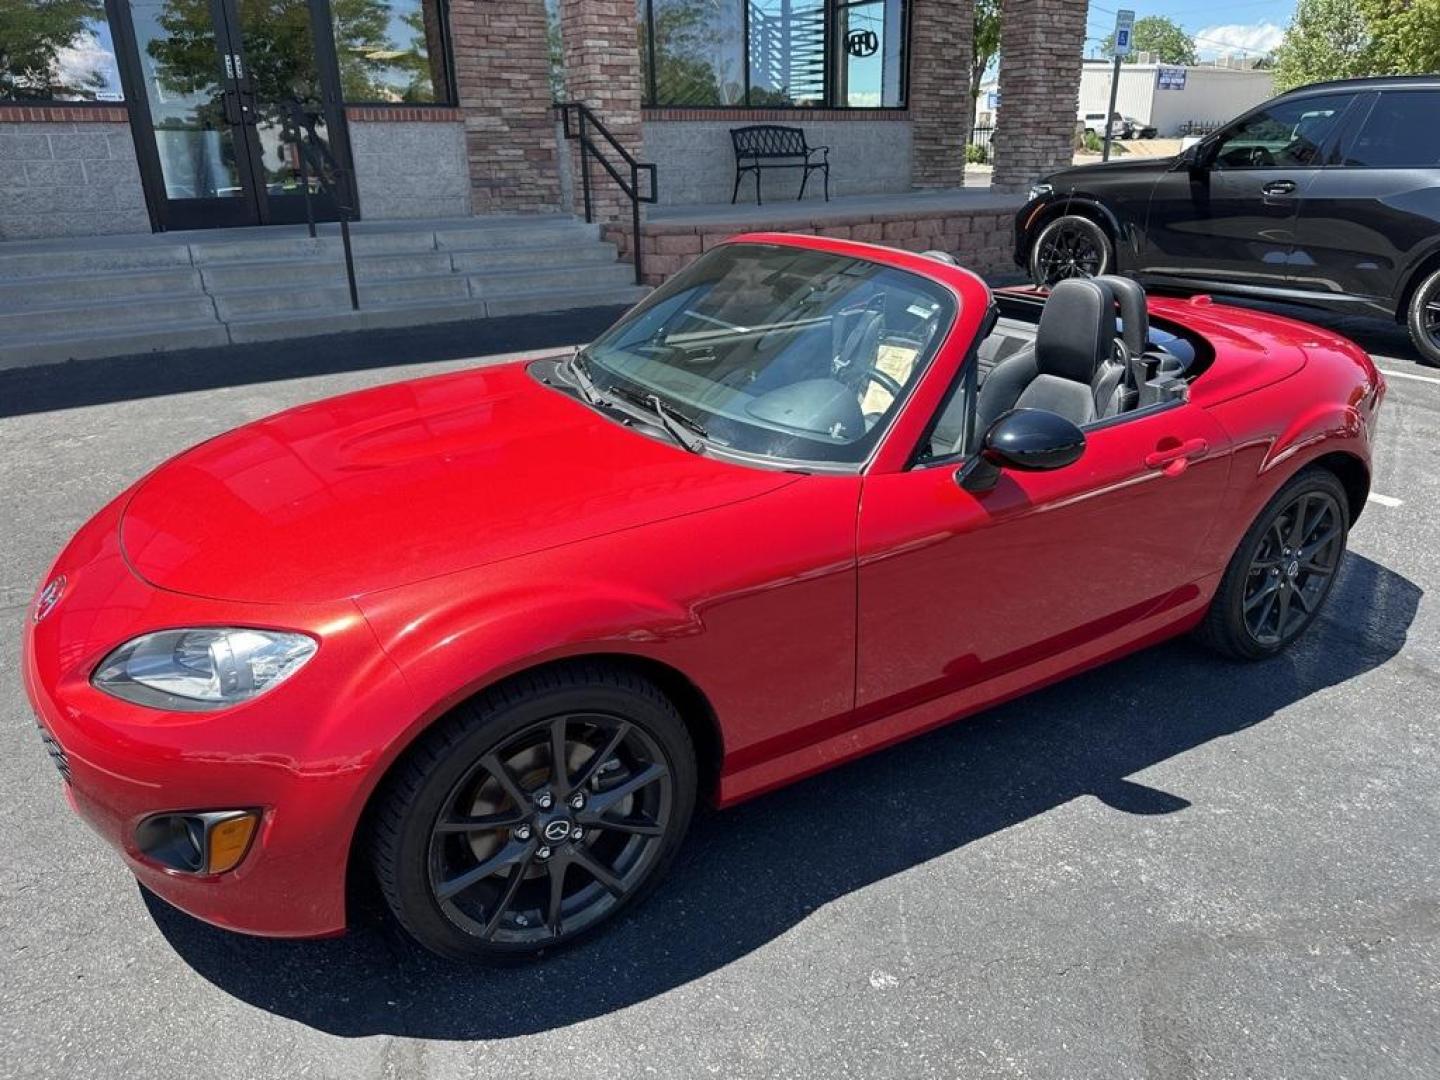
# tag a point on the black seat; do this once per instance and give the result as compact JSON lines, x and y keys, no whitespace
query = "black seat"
{"x":1072,"y":368}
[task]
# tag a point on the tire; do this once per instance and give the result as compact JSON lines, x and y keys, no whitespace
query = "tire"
{"x":471,"y":795}
{"x":1268,"y":578}
{"x":1422,"y":319}
{"x":1070,"y":246}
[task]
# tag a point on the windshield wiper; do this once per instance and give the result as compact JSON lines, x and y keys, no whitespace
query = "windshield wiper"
{"x":583,"y":382}
{"x":685,"y":431}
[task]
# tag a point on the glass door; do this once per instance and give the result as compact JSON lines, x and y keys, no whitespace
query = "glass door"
{"x":226,"y":93}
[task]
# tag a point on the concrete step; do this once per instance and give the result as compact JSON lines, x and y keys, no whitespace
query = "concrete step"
{"x":321,"y":248}
{"x":228,"y":277}
{"x":89,"y":345}
{"x":588,"y":253}
{"x":519,"y":283}
{"x":75,"y":290}
{"x":521,"y":234}
{"x":255,"y":303}
{"x":116,"y":315}
{"x":31,"y":265}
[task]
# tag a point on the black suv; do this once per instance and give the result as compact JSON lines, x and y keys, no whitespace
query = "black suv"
{"x":1328,"y":195}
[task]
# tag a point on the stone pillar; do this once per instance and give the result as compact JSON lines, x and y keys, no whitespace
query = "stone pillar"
{"x":1041,"y":46}
{"x":502,"y":74}
{"x":602,"y":70}
{"x":941,"y":38}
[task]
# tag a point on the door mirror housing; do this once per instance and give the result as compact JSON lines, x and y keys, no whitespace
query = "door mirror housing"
{"x":1028,"y":440}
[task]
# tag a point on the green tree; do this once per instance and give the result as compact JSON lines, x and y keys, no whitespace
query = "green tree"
{"x":1326,"y":39}
{"x":1404,"y":35}
{"x":32,"y":35}
{"x":986,"y":44}
{"x":1158,"y":35}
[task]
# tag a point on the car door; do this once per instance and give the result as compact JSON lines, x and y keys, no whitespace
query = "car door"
{"x":1227,"y":210}
{"x":1374,"y":211}
{"x":957,"y":590}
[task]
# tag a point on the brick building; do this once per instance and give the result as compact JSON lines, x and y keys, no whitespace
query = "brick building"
{"x":132,"y":116}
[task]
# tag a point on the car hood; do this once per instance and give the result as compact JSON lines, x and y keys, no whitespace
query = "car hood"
{"x":405,"y":482}
{"x":1082,"y":176}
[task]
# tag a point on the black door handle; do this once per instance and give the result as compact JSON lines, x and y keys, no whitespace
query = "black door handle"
{"x":1278,"y":187}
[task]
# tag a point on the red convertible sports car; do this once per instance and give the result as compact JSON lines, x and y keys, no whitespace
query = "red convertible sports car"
{"x":491,"y":634}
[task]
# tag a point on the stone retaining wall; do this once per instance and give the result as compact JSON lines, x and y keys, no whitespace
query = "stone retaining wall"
{"x":983,"y":240}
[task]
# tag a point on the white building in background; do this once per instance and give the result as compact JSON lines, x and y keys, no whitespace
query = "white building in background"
{"x":1167,"y":96}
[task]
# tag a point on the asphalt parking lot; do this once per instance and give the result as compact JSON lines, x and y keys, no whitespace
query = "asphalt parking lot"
{"x":1173,"y":867}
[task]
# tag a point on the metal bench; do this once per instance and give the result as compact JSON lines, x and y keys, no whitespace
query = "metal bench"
{"x":773,"y":146}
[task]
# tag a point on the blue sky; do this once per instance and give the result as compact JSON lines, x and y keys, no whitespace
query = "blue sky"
{"x":1239,"y":27}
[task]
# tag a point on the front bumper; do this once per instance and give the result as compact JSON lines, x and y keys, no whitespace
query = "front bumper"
{"x":307,"y":753}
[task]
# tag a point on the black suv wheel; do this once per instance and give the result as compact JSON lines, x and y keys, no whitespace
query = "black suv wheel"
{"x":1423,"y":319}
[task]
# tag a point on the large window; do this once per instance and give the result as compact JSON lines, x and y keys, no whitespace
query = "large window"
{"x":57,"y":50}
{"x":391,"y":50}
{"x":775,"y":53}
{"x":1401,"y":132}
{"x":1286,"y":135}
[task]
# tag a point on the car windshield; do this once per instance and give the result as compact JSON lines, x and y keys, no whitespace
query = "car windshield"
{"x":777,"y":351}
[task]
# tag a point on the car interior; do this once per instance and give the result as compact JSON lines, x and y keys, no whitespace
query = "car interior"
{"x":1088,"y":352}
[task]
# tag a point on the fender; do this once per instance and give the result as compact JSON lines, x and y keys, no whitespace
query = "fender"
{"x":474,"y":636}
{"x":1069,"y":203}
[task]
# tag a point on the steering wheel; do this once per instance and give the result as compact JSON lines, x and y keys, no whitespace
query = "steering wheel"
{"x":1260,"y":157}
{"x":888,"y":382}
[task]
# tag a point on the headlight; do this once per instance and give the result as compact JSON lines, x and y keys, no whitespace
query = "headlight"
{"x":206,"y":668}
{"x":1038,"y":190}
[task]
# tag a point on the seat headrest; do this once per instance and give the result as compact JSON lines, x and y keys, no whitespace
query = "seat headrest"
{"x":1133,"y":314}
{"x":1077,"y":330}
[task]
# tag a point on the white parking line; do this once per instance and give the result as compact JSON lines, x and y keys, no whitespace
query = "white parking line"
{"x":1385,"y":500}
{"x":1408,"y":375}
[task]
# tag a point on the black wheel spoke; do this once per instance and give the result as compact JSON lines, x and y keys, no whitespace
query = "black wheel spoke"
{"x":508,"y":855}
{"x":556,"y":869}
{"x":602,"y":874}
{"x":603,"y":801}
{"x":1264,"y":592}
{"x":1296,"y":531}
{"x":602,"y":755}
{"x":559,"y":770}
{"x":481,"y":822}
{"x":1284,"y":613}
{"x":517,"y":877}
{"x":1303,"y":599}
{"x":633,"y":826}
{"x":492,"y":764}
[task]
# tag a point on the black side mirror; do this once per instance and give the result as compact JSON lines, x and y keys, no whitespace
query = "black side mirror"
{"x":1030,"y":440}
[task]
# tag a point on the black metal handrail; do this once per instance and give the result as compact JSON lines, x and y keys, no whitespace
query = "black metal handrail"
{"x":317,"y":159}
{"x":586,"y":120}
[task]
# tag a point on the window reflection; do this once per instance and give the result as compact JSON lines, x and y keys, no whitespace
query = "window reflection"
{"x":787,"y":52}
{"x":699,"y":54}
{"x":59,"y":50}
{"x":391,"y":50}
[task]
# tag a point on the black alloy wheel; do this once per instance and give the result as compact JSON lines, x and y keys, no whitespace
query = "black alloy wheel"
{"x":548,"y":832}
{"x":1069,"y":246}
{"x":535,"y":813}
{"x":1292,"y":568}
{"x":1282,"y":571}
{"x":1423,"y":319}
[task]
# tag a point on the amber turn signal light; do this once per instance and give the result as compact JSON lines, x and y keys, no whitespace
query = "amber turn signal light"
{"x":207,"y":842}
{"x":228,"y":841}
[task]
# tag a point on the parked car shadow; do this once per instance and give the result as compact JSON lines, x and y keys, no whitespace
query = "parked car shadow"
{"x":747,"y":875}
